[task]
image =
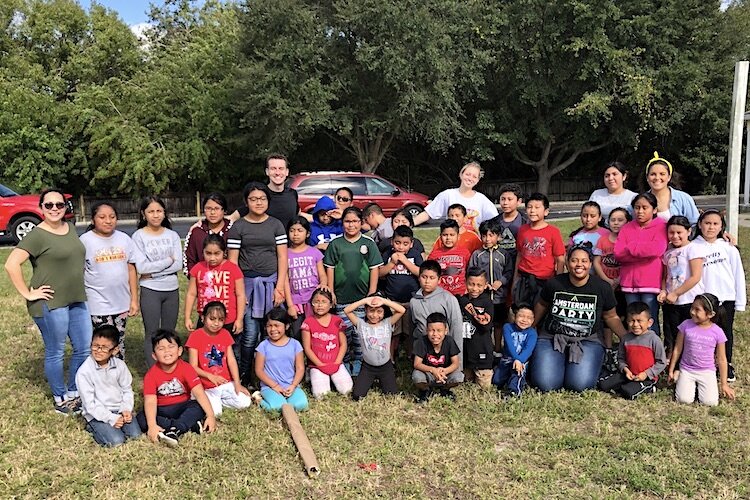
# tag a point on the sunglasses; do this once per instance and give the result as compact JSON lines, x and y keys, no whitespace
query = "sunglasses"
{"x":58,"y":205}
{"x":343,"y":199}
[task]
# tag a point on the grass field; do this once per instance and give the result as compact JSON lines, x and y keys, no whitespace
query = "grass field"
{"x":591,"y":445}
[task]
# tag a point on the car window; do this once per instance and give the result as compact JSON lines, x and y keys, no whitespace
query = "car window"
{"x":315,"y":185}
{"x":378,"y":186}
{"x":356,"y":184}
{"x":6,"y":191}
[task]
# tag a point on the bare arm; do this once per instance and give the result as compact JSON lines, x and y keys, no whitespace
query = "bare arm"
{"x":614,"y":323}
{"x":190,"y":296}
{"x":421,"y":218}
{"x":133,"y":286}
{"x":200,"y":396}
{"x":239,"y":291}
{"x":453,"y":366}
{"x":560,"y":264}
{"x":373,"y":281}
{"x":233,"y":256}
{"x":149,"y":408}
{"x":540,"y":309}
{"x":13,"y":267}
{"x":322,"y":275}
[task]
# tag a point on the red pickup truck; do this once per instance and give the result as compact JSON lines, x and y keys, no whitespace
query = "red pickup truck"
{"x":19,"y":213}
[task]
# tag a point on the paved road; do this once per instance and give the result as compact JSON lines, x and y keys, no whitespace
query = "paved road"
{"x":558,"y":210}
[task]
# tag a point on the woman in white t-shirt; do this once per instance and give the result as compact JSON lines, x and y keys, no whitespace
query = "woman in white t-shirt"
{"x":613,"y":194}
{"x":478,"y":207}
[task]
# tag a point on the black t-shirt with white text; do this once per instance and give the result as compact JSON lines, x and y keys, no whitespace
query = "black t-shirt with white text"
{"x":478,"y":344}
{"x":424,"y":349}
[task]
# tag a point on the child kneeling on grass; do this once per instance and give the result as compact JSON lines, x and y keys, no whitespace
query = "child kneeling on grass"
{"x":104,"y":385}
{"x":168,"y":412}
{"x":374,"y":335}
{"x":641,"y":356}
{"x":519,"y":342}
{"x":211,"y":355}
{"x":280,"y":365}
{"x":436,"y":360}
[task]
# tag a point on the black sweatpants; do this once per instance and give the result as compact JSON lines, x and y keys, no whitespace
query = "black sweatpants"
{"x":629,"y":389}
{"x":385,"y":373}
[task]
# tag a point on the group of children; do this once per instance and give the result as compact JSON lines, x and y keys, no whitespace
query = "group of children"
{"x":451,"y":308}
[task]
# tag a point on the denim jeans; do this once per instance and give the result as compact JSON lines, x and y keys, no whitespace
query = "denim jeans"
{"x":353,"y":357}
{"x":505,"y":377}
{"x":106,"y":435}
{"x":549,"y":370}
{"x":653,"y":306}
{"x":72,"y":321}
{"x":249,"y":340}
{"x":181,"y":416}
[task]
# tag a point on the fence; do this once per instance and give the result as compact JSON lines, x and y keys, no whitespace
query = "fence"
{"x":562,"y":189}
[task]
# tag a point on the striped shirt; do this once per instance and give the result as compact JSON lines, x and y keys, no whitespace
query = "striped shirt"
{"x":257,"y":243}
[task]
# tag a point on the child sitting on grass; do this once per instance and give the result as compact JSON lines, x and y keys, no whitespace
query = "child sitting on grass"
{"x":519,"y":341}
{"x":436,"y":360}
{"x":280,"y":365}
{"x":641,"y":356}
{"x":168,"y":411}
{"x":104,"y":385}
{"x":375,"y":338}
{"x":211,"y":354}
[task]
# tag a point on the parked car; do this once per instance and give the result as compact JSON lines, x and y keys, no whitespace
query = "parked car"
{"x":367,"y":188}
{"x":20,"y":213}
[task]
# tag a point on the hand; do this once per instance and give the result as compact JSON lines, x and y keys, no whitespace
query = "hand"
{"x":483,"y":319}
{"x":217,"y":379}
{"x":189,"y":324}
{"x":209,"y":424}
{"x":640,"y":377}
{"x":518,"y":367}
{"x":727,"y":391}
{"x":394,"y":258}
{"x":292,"y":312}
{"x":732,"y":239}
{"x":153,"y":433}
{"x":44,"y":292}
{"x":496,"y":285}
{"x":673,"y":376}
{"x":628,"y":374}
{"x":616,"y":282}
{"x":134,"y":308}
{"x":119,"y":423}
{"x":672,"y":298}
{"x":127,"y":416}
{"x":661,"y":297}
{"x":374,"y":301}
{"x":278,"y":296}
{"x":333,"y":295}
{"x":237,"y":326}
{"x":240,"y":389}
{"x":196,"y":225}
{"x":288,"y":391}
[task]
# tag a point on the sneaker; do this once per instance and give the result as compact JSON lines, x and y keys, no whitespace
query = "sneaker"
{"x":64,"y":408}
{"x":198,"y":427}
{"x":731,"y":376}
{"x":422,"y":396}
{"x":448,"y":394}
{"x":75,"y":405}
{"x":170,"y":437}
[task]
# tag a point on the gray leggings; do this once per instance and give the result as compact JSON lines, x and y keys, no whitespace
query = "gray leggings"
{"x":159,"y":310}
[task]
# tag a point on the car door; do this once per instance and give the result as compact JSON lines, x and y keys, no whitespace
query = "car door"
{"x":381,"y":192}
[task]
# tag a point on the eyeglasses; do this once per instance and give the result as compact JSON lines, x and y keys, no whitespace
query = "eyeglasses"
{"x":101,"y":348}
{"x":213,"y":209}
{"x":50,"y":205}
{"x":343,"y":199}
{"x":257,"y":199}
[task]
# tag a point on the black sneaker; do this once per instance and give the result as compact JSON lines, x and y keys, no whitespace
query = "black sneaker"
{"x":76,"y":405}
{"x":731,"y":376}
{"x":198,"y":427}
{"x":423,"y":396}
{"x":170,"y":437}
{"x":448,"y":394}
{"x":64,"y":408}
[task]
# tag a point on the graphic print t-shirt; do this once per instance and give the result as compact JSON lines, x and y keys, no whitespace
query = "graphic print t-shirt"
{"x":217,"y":283}
{"x":453,"y":263}
{"x":212,"y":353}
{"x":537,"y":249}
{"x":576,"y":311}
{"x":170,"y":388}
{"x":423,"y":348}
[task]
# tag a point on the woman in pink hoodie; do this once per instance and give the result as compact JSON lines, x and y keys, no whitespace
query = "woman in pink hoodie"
{"x":639,"y":248}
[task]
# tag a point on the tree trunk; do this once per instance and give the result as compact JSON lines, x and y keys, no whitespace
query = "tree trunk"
{"x":544,"y":177}
{"x":370,"y":151}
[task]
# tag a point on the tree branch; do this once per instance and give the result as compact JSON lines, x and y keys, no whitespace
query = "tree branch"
{"x":562,"y":166}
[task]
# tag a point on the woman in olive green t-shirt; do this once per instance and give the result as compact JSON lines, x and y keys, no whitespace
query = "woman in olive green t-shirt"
{"x":56,"y":298}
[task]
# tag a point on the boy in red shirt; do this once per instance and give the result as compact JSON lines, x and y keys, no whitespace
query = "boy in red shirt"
{"x":466,"y":237}
{"x":541,"y":252}
{"x":453,"y":259}
{"x":168,"y":412}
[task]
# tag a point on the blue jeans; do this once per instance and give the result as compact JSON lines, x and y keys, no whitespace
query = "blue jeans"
{"x":106,"y":435}
{"x":72,"y":321}
{"x":249,"y":340}
{"x":653,"y":306}
{"x":549,"y":370}
{"x":272,"y":400}
{"x":181,"y":416}
{"x":353,"y":357}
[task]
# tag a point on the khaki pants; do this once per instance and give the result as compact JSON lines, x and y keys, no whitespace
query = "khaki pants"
{"x":481,"y":377}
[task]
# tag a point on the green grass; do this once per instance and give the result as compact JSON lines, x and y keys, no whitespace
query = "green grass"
{"x":555,"y":445}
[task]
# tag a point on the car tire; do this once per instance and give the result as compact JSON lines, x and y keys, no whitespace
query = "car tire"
{"x":414,"y":210}
{"x":22,"y":226}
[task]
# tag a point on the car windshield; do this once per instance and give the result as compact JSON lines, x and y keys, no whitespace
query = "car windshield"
{"x":6,"y":191}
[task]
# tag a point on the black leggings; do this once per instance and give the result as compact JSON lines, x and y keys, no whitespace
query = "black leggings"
{"x":385,"y":373}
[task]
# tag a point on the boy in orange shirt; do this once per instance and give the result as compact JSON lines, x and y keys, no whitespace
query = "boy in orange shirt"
{"x":467,"y":238}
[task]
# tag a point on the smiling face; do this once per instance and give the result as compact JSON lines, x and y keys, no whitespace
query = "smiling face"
{"x":167,"y":353}
{"x":677,"y":235}
{"x":213,"y":212}
{"x":53,"y":207}
{"x":105,"y":220}
{"x":277,"y":172}
{"x":154,"y":214}
{"x":343,"y":199}
{"x":640,"y":323}
{"x":535,"y":210}
{"x":374,"y":315}
{"x":614,"y":180}
{"x":475,"y":285}
{"x":699,"y":314}
{"x":214,"y":320}
{"x":436,"y":333}
{"x":469,"y":177}
{"x":658,"y":177}
{"x":524,"y":318}
{"x":617,"y":219}
{"x":579,"y":264}
{"x":710,"y":226}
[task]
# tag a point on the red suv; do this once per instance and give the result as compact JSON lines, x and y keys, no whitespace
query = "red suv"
{"x":367,"y":188}
{"x":20,"y":213}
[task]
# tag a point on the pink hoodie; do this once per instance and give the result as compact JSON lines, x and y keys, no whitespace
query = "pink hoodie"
{"x":639,"y":251}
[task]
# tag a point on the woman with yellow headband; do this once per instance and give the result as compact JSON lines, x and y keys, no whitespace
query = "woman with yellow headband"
{"x":661,"y":178}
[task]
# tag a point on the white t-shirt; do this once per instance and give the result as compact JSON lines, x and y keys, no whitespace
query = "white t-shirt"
{"x":478,"y":207}
{"x":105,"y":275}
{"x":609,"y":202}
{"x":677,"y":262}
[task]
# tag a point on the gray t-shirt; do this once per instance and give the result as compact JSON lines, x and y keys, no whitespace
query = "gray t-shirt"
{"x":257,"y":243}
{"x":609,"y":202}
{"x":375,"y":341}
{"x":155,"y":258}
{"x":105,"y":274}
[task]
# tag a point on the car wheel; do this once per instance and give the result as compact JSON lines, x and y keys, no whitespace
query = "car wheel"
{"x":414,"y":210}
{"x":22,"y":226}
